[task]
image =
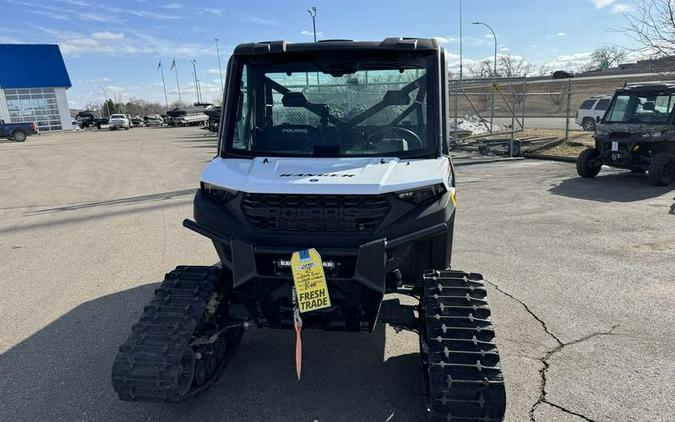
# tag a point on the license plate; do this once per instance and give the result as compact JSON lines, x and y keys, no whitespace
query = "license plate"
{"x":615,"y":146}
{"x":309,"y":280}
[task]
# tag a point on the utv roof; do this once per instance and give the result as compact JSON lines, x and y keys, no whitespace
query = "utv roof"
{"x":388,"y":44}
{"x":652,"y":86}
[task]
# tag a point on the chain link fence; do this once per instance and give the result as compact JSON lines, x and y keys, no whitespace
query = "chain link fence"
{"x":527,"y":111}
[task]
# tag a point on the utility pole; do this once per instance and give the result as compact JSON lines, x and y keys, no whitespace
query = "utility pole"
{"x":460,"y":40}
{"x":312,"y":13}
{"x":194,"y":70}
{"x":494,"y":74}
{"x":220,"y":69}
{"x":457,"y":83}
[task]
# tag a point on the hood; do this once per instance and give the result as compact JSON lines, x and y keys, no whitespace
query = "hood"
{"x":366,"y":176}
{"x":632,"y":128}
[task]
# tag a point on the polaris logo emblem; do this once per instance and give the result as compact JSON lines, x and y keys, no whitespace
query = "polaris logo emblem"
{"x":317,"y":175}
{"x":294,"y":130}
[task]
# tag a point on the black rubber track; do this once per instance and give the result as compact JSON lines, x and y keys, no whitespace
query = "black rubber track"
{"x":157,"y":362}
{"x":463,"y":376}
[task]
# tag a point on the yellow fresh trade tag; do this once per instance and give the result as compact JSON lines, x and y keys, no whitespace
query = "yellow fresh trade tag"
{"x":310,"y":281}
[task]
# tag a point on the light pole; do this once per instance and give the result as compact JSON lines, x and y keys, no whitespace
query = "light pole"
{"x":220,"y":69}
{"x":312,"y":13}
{"x":494,"y":73}
{"x":105,"y":101}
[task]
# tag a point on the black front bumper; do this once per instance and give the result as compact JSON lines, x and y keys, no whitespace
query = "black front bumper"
{"x":239,"y":256}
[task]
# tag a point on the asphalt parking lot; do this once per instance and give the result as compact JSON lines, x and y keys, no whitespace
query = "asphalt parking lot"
{"x":581,"y":273}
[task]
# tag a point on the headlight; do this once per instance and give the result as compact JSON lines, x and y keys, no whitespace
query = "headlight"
{"x":417,"y":196}
{"x":218,"y":193}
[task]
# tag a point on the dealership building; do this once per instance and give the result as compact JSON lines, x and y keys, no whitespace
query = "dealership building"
{"x":33,"y":84}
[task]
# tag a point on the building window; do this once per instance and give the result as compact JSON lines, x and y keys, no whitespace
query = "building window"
{"x":34,"y":105}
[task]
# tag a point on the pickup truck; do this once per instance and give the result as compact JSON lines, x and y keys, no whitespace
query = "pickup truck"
{"x":17,"y":131}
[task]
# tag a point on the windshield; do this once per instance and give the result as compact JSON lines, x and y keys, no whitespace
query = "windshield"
{"x":345,"y":106}
{"x":642,"y":107}
{"x":117,"y":116}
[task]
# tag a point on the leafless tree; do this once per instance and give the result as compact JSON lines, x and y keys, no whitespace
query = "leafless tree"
{"x":652,"y":25}
{"x":605,"y":57}
{"x":508,"y":66}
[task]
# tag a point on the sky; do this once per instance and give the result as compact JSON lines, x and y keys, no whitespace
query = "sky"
{"x":114,"y":48}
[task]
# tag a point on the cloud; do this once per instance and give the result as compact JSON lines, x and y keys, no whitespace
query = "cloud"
{"x":214,"y":72}
{"x":620,"y":8}
{"x":602,"y":3}
{"x":505,"y":49}
{"x":573,"y":62}
{"x":259,"y":21}
{"x":126,"y":44}
{"x":106,"y":35}
{"x":444,"y":40}
{"x":144,"y":14}
{"x":172,"y":6}
{"x":98,"y":17}
{"x":212,"y":11}
{"x":561,"y":34}
{"x":311,"y":34}
{"x":79,"y":3}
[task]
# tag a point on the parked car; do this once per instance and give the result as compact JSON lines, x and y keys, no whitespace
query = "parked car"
{"x":214,"y":118}
{"x":18,"y":131}
{"x":85,"y":119}
{"x":591,"y":111}
{"x":119,"y":121}
{"x":100,"y":121}
{"x":562,"y":74}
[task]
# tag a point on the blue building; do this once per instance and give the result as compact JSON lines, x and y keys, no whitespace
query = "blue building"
{"x":33,"y":84}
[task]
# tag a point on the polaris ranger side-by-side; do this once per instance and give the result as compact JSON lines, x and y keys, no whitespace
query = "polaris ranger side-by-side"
{"x":332,"y":187}
{"x":636,"y":133}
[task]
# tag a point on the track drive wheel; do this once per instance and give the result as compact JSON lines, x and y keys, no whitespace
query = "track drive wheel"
{"x":463,"y":377}
{"x":585,"y":165}
{"x":179,"y":346}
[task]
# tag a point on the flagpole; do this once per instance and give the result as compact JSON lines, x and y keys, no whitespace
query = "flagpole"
{"x":166,"y":98}
{"x":220,"y":68}
{"x":173,"y":65}
{"x":194,"y":69}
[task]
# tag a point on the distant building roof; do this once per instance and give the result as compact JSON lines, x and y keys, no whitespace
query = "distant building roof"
{"x":32,"y":66}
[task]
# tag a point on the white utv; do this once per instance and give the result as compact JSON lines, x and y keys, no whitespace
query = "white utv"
{"x":332,"y":187}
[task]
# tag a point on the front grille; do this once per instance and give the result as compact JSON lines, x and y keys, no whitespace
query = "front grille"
{"x":315,"y":213}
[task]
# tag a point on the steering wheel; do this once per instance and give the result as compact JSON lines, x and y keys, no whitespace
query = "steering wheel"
{"x":407,"y":134}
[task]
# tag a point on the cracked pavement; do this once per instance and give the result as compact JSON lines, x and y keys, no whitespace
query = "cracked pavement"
{"x":581,"y":281}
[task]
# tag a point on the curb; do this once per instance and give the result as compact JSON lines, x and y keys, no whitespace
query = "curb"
{"x":469,"y":162}
{"x":551,"y":158}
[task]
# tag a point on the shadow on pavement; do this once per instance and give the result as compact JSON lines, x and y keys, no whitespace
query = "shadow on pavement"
{"x":154,"y":197}
{"x":619,"y":187}
{"x":62,"y":372}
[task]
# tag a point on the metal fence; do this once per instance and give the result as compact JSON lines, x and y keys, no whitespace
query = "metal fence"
{"x":524,"y":110}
